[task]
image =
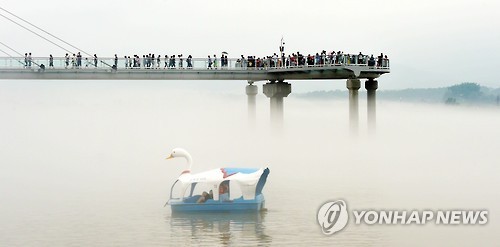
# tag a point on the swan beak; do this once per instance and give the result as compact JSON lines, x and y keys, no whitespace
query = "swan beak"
{"x":169,"y":157}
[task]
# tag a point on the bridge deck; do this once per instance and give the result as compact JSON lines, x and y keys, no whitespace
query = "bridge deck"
{"x":16,"y":69}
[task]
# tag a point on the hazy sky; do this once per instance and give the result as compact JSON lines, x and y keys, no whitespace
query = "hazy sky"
{"x":430,"y":43}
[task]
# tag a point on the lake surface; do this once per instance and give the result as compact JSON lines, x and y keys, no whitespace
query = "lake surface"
{"x":83,"y":164}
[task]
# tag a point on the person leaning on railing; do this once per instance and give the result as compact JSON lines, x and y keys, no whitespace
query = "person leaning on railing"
{"x":385,"y":62}
{"x":371,"y":61}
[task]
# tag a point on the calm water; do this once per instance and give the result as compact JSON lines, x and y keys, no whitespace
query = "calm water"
{"x":82,"y":164}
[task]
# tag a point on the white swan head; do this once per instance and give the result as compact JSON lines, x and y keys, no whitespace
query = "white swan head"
{"x":181,"y":153}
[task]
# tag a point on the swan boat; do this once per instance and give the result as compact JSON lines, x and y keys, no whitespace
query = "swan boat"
{"x":217,"y":190}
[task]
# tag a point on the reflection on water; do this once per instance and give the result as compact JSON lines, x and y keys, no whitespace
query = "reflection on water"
{"x":220,"y":228}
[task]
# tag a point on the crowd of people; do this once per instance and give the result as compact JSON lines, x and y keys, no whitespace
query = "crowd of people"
{"x":152,"y":61}
{"x":319,"y":59}
{"x":75,"y":61}
{"x":248,"y":62}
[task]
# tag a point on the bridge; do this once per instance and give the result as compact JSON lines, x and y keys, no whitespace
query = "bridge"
{"x":275,"y":71}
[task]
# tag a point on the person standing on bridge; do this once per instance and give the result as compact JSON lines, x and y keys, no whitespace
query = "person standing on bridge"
{"x":180,"y":61}
{"x":66,"y":61}
{"x":275,"y":60}
{"x":79,"y":60}
{"x":51,"y":61}
{"x":189,"y":61}
{"x":243,"y":62}
{"x":116,"y":61}
{"x":26,"y":60}
{"x":95,"y":60}
{"x":215,"y":62}
{"x":209,"y":62}
{"x":371,"y":61}
{"x":73,"y":61}
{"x":172,"y":62}
{"x":30,"y":59}
{"x":379,"y":60}
{"x":360,"y":58}
{"x":385,"y":62}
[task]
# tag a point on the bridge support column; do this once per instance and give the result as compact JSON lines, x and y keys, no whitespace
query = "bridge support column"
{"x":353,"y":85}
{"x":371,"y":86}
{"x":276,"y":92}
{"x":251,"y":91}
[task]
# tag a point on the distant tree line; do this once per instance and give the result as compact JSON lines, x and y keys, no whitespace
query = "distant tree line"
{"x":467,"y":93}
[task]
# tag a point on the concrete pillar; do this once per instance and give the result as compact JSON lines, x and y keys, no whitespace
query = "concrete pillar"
{"x":353,"y":85}
{"x":276,"y":92}
{"x":251,"y":91}
{"x":371,"y":86}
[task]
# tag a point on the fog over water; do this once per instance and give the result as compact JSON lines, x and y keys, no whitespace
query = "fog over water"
{"x":83,"y":163}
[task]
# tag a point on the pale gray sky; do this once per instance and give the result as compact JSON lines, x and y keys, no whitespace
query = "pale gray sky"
{"x":431,"y":43}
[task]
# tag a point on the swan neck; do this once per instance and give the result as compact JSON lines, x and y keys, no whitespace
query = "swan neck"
{"x":189,"y":161}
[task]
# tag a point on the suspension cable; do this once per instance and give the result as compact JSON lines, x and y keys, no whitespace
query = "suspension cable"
{"x":18,"y":53}
{"x":6,"y":53}
{"x":35,"y":33}
{"x":45,"y":31}
{"x":33,"y":25}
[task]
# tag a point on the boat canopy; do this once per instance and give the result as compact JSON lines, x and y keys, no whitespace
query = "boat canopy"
{"x":250,"y":180}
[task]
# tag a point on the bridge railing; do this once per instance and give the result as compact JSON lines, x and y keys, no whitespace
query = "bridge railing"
{"x":193,"y":63}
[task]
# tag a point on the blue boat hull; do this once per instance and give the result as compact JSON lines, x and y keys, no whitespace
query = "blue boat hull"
{"x":237,"y":205}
